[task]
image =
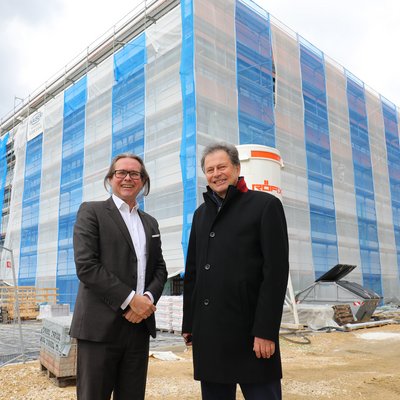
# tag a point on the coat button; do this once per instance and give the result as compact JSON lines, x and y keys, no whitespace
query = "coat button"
{"x":212,"y":234}
{"x":207,"y":267}
{"x":206,"y":302}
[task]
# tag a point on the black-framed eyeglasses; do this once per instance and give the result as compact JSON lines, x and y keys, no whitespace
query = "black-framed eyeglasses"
{"x":122,"y":173}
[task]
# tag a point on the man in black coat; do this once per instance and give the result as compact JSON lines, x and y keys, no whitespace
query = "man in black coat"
{"x":235,"y":283}
{"x":119,"y":263}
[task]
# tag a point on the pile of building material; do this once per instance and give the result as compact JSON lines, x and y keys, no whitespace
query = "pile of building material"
{"x":169,"y":313}
{"x":53,"y":310}
{"x":164,"y":313}
{"x":177,"y":313}
{"x":26,"y":300}
{"x":58,"y":350}
{"x":313,"y":316}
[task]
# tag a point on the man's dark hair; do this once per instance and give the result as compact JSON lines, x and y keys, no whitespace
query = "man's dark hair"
{"x":144,"y":175}
{"x":229,"y":149}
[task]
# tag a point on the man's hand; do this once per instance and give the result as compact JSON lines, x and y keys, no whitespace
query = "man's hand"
{"x":139,"y":309}
{"x":263,"y":348}
{"x":187,"y":337}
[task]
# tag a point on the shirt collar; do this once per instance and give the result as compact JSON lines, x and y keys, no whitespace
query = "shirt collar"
{"x":120,"y":203}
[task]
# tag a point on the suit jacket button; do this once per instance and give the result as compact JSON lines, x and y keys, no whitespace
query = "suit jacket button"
{"x":212,"y":234}
{"x":206,"y":302}
{"x":207,"y":267}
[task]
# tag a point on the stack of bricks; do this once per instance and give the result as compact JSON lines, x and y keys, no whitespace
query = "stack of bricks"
{"x":58,"y":350}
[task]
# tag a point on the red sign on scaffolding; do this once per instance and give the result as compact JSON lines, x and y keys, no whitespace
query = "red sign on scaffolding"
{"x":8,"y":264}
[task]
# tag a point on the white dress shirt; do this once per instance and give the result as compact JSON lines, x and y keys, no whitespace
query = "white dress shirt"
{"x":136,"y":231}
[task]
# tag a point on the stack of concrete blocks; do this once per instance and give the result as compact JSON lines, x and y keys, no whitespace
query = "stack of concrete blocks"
{"x":177,"y":312}
{"x":164,"y":313}
{"x":58,"y":349}
{"x":53,"y":310}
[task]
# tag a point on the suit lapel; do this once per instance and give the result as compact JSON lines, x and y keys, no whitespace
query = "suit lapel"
{"x":119,"y":221}
{"x":147,"y":230}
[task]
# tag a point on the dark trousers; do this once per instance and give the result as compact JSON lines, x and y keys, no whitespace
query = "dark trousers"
{"x":118,"y":367}
{"x":251,"y":391}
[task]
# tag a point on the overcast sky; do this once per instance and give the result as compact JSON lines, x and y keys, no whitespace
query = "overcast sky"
{"x":39,"y":37}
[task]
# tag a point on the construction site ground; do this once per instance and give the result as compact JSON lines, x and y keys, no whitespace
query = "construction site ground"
{"x":361,"y":364}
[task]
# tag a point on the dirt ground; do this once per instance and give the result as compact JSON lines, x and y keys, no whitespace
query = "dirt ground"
{"x":362,"y":364}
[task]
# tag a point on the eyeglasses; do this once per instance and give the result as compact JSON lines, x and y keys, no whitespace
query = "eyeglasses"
{"x":122,"y":173}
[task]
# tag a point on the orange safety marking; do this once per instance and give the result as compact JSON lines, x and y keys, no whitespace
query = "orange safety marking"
{"x":265,"y":154}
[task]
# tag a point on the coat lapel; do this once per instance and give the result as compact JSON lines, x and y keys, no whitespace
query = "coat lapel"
{"x":147,"y":230}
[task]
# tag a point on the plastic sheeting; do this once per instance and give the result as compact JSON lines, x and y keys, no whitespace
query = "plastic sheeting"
{"x":255,"y":81}
{"x":3,"y":167}
{"x":290,"y":142}
{"x":128,"y":98}
{"x":188,"y":156}
{"x":342,"y":168}
{"x":13,"y":233}
{"x":390,"y":121}
{"x":163,"y":133}
{"x":30,"y":212}
{"x":319,"y":168}
{"x":215,"y":76}
{"x":70,"y":187}
{"x":382,"y":196}
{"x":97,"y":147}
{"x":364,"y":185}
{"x":47,"y":245}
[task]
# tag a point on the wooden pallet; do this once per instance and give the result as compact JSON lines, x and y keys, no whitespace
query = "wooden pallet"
{"x":61,"y":382}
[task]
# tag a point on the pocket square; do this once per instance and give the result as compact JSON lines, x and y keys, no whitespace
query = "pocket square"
{"x":154,"y":236}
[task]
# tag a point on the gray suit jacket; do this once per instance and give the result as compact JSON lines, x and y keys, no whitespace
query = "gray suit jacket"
{"x":106,"y":266}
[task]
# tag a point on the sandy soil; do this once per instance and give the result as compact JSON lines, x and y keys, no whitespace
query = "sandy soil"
{"x":363,"y":364}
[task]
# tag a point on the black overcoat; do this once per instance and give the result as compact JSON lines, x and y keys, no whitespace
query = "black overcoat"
{"x":235,"y":284}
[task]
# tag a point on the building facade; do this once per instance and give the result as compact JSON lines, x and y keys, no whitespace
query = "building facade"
{"x":200,"y":71}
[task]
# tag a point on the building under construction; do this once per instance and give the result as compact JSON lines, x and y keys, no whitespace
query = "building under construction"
{"x":169,"y":79}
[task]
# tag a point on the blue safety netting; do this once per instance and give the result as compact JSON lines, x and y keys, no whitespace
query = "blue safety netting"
{"x":188,"y":144}
{"x":128,"y":100}
{"x":364,"y":185}
{"x":70,"y":187}
{"x":319,"y":163}
{"x":3,"y":170}
{"x":393,"y":157}
{"x":30,"y":212}
{"x":255,"y":76}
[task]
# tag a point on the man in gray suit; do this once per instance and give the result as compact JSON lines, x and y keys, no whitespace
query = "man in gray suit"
{"x":119,"y":263}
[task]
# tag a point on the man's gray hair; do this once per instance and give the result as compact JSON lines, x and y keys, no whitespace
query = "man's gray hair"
{"x":229,"y":149}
